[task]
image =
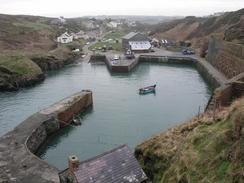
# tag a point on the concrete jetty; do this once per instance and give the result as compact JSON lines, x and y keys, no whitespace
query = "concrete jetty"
{"x":18,"y":163}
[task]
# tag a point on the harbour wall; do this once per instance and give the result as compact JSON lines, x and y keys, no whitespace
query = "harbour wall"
{"x":18,"y":162}
{"x":217,"y":75}
{"x":225,"y":56}
{"x":206,"y":73}
{"x":114,"y":67}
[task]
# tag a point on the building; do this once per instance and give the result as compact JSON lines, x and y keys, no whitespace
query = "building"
{"x":140,"y":46}
{"x":113,"y":24}
{"x":62,"y":19}
{"x":117,"y":165}
{"x":80,"y":35}
{"x":155,"y":42}
{"x":65,"y":38}
{"x":133,"y":36}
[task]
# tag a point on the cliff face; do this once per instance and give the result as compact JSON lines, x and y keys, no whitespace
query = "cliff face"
{"x":228,"y":26}
{"x":205,"y":149}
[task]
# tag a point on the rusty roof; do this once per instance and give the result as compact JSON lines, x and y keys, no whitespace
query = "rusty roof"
{"x":116,"y":166}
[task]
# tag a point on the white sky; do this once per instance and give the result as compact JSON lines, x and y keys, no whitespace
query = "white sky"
{"x":75,"y":8}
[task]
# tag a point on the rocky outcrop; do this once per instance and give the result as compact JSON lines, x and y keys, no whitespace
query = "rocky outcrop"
{"x":12,"y":81}
{"x":19,"y":71}
{"x":50,"y":62}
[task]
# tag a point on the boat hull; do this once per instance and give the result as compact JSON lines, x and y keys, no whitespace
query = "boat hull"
{"x":146,"y":90}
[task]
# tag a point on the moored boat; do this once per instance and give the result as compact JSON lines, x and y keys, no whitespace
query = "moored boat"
{"x":148,"y":89}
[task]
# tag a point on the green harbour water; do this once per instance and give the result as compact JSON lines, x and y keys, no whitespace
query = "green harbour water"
{"x":119,"y":114}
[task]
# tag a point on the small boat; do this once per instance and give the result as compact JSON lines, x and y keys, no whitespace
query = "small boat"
{"x":148,"y":89}
{"x":76,"y":120}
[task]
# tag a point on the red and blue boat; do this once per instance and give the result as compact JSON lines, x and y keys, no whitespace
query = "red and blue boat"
{"x":148,"y":89}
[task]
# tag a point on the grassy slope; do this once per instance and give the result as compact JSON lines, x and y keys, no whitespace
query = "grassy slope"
{"x":115,"y":35}
{"x":20,"y":64}
{"x":229,"y":26}
{"x":203,"y":150}
{"x":111,"y":35}
{"x":25,"y":37}
{"x":115,"y":46}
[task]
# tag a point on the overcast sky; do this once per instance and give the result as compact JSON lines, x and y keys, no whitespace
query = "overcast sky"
{"x":75,"y":8}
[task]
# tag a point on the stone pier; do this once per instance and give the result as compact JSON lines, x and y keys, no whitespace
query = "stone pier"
{"x":18,"y":163}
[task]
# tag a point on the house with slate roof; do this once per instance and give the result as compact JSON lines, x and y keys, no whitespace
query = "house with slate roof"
{"x":116,"y":166}
{"x":133,"y":36}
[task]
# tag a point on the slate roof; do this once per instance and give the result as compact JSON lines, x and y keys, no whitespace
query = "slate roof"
{"x":116,"y":166}
{"x":140,"y":45}
{"x":130,"y":35}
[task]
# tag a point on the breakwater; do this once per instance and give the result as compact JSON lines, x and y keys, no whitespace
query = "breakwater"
{"x":17,"y":161}
{"x":208,"y":72}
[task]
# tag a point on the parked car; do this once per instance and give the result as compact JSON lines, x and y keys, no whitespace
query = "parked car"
{"x":187,"y":52}
{"x":116,"y":57}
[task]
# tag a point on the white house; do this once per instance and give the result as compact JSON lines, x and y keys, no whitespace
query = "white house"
{"x":113,"y":24}
{"x":65,"y":38}
{"x":62,"y":20}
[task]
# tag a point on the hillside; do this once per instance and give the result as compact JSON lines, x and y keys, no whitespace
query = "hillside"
{"x":229,"y":26}
{"x":28,"y":49}
{"x":201,"y":150}
{"x":25,"y":33}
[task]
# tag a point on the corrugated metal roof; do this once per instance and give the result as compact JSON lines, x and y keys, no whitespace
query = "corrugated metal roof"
{"x":140,"y":45}
{"x":116,"y":166}
{"x":130,"y":35}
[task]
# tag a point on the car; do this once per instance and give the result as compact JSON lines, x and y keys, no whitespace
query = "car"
{"x":87,"y":43}
{"x":116,"y":57}
{"x":187,"y":52}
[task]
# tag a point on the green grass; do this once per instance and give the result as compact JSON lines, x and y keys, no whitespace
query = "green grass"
{"x":211,"y":152}
{"x":82,"y":42}
{"x":115,"y":46}
{"x":20,"y":64}
{"x":114,"y":35}
{"x":32,"y":25}
{"x":223,"y":168}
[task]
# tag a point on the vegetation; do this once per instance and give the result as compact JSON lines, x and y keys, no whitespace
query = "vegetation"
{"x":202,"y":150}
{"x":32,"y":25}
{"x":114,"y":35}
{"x":99,"y":45}
{"x":20,"y":65}
{"x":228,"y":26}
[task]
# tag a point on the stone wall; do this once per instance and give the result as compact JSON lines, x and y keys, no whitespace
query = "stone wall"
{"x":227,"y":57}
{"x":207,"y":75}
{"x":166,"y":59}
{"x":225,"y":94}
{"x":18,"y":164}
{"x":97,"y":58}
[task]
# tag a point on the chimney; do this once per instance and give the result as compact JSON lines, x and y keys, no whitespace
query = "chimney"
{"x":73,"y":163}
